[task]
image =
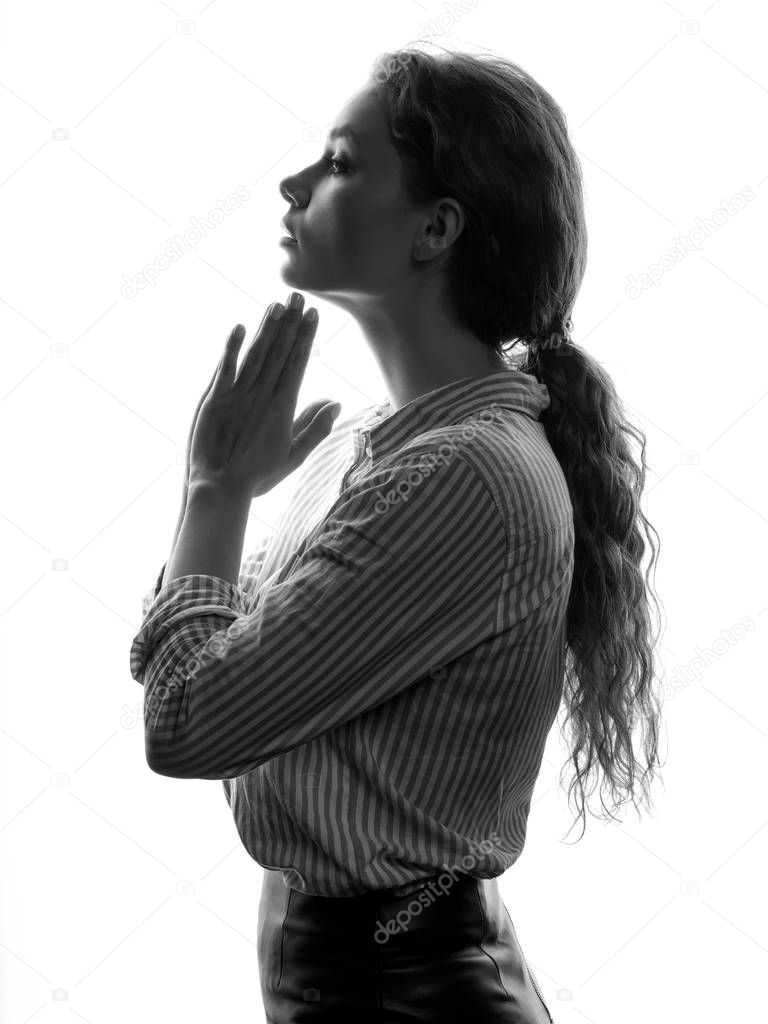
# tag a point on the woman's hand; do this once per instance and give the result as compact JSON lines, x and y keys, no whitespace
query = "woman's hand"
{"x":188,"y":452}
{"x":244,"y":439}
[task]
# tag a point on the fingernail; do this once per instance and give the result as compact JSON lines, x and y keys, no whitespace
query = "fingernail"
{"x":311,"y":315}
{"x":277,"y":310}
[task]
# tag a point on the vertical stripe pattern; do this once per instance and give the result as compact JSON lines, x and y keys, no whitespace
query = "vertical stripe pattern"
{"x":376,"y":691}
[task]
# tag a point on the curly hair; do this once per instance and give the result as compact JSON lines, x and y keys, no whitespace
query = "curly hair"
{"x":480,"y":129}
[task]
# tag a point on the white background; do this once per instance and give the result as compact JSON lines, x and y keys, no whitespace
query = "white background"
{"x":127,"y":895}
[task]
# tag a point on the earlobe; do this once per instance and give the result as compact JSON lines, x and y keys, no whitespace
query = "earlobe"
{"x":425,"y":245}
{"x":429,"y":245}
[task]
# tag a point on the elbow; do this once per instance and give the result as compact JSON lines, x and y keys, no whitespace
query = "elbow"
{"x":163,"y":762}
{"x":159,"y":768}
{"x":161,"y":765}
{"x":173,"y":770}
{"x":166,"y":762}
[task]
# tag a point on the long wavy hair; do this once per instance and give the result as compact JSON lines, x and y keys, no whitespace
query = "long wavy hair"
{"x":480,"y":129}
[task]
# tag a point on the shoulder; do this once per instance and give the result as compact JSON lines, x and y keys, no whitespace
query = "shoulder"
{"x":510,"y":453}
{"x":421,"y":496}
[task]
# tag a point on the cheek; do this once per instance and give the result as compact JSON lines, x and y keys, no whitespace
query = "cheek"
{"x":372,"y":229}
{"x":355,"y":228}
{"x":337,"y":221}
{"x":346,"y":230}
{"x":373,"y":243}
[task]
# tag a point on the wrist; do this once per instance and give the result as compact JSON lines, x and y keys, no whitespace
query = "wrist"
{"x":206,"y":491}
{"x":210,"y":541}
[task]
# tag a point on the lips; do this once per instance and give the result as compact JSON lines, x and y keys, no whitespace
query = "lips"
{"x":288,"y":230}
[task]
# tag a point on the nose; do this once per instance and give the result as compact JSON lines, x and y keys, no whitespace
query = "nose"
{"x":289,"y":192}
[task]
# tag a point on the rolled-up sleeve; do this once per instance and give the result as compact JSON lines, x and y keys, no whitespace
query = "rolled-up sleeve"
{"x":402,"y":575}
{"x":249,"y":569}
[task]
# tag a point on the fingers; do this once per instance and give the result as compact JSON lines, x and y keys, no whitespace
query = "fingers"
{"x":296,"y":365}
{"x":264,"y":368}
{"x":307,"y":414}
{"x":225,"y":373}
{"x":280,"y":349}
{"x":208,"y":387}
{"x":255,"y":365}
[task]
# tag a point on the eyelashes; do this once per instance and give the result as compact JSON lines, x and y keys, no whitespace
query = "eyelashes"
{"x":339,"y":163}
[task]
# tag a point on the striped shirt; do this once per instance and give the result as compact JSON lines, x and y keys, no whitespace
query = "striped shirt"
{"x":376,"y":691}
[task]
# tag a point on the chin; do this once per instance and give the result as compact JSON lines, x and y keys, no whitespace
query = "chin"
{"x":287,"y":272}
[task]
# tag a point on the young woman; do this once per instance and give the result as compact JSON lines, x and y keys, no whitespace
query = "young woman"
{"x":376,"y":685}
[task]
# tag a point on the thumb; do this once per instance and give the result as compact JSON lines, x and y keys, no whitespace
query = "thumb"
{"x":331,"y":413}
{"x":319,"y":427}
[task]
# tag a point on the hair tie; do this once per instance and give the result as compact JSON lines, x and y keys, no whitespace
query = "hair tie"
{"x":556,"y":340}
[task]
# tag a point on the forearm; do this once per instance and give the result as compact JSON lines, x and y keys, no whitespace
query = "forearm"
{"x":180,"y":520}
{"x":210,"y":536}
{"x":176,"y":533}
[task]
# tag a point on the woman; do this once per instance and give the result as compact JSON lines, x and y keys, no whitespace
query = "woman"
{"x":379,"y":707}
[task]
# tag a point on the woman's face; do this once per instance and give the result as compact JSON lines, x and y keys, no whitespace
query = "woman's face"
{"x":353,"y":224}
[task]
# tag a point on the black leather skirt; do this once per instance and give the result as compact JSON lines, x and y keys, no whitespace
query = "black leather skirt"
{"x":444,"y":953}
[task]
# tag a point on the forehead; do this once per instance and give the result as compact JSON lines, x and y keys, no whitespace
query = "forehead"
{"x":362,"y":116}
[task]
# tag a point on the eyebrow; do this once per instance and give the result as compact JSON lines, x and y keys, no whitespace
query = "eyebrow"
{"x":346,"y":131}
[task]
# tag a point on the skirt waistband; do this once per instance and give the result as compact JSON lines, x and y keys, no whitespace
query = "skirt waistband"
{"x":450,"y":955}
{"x":408,"y":887}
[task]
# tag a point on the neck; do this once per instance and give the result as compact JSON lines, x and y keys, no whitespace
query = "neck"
{"x":419,"y":347}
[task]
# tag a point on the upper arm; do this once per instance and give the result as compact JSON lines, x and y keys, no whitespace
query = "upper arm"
{"x":401,"y":576}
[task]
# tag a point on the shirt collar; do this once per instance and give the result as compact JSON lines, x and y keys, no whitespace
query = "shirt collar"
{"x":382,"y":431}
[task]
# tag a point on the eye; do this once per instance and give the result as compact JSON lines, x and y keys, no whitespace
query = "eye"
{"x":339,"y":163}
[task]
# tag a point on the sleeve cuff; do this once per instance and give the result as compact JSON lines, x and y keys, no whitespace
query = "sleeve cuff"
{"x":213,"y":601}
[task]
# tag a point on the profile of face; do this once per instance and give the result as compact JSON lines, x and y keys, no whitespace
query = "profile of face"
{"x":355,"y":227}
